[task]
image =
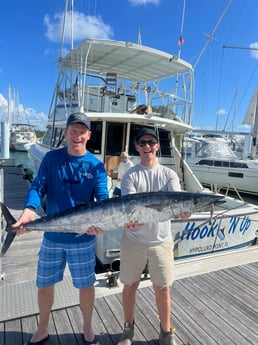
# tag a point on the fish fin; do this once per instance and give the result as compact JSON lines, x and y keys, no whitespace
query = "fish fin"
{"x":11,"y":233}
{"x":8,"y":240}
{"x":9,"y":218}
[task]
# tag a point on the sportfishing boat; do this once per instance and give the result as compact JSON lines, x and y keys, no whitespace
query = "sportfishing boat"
{"x":22,"y":136}
{"x":123,"y":86}
{"x":215,"y":164}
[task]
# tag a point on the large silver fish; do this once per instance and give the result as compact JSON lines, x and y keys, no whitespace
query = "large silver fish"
{"x":114,"y":213}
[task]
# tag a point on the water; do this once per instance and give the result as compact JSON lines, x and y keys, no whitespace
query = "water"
{"x":24,"y":159}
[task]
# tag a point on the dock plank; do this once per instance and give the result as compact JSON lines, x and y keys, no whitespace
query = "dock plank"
{"x":212,"y":318}
{"x":236,"y":318}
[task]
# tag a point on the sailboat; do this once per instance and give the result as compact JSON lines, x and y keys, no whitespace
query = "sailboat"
{"x":215,"y":163}
{"x":251,"y":119}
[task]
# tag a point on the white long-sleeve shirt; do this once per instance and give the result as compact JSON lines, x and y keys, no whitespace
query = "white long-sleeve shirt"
{"x":121,"y":170}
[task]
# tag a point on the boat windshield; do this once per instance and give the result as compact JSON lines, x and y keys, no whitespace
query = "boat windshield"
{"x":215,"y":149}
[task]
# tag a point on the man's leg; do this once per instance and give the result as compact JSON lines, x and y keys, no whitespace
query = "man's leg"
{"x":129,"y":300}
{"x":167,"y":334}
{"x":87,"y":297}
{"x":45,"y":302}
{"x":164,"y":305}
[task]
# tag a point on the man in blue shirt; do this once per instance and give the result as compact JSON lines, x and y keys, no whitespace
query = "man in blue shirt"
{"x":67,"y":177}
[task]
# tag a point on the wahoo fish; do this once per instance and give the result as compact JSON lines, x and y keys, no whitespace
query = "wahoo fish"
{"x":114,"y":213}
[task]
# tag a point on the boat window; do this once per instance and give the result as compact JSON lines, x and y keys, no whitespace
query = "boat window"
{"x":224,"y":164}
{"x":47,"y":137}
{"x":164,"y":139}
{"x":205,"y":162}
{"x":94,"y":144}
{"x":238,"y":165}
{"x":59,"y":139}
{"x":233,"y":174}
{"x":54,"y":137}
{"x":115,"y":138}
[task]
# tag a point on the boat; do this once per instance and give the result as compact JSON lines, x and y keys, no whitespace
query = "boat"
{"x":123,"y":86}
{"x":216,"y":166}
{"x":226,"y":160}
{"x":251,"y":119}
{"x":22,"y":136}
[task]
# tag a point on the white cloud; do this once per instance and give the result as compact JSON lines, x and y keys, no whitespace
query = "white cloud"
{"x":144,"y":2}
{"x":83,"y":27}
{"x":254,"y":53}
{"x":222,"y":111}
{"x":22,"y":114}
{"x":244,"y":127}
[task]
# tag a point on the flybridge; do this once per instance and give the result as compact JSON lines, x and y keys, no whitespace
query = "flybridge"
{"x":115,"y":76}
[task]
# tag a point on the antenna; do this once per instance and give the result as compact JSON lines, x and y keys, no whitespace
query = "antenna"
{"x":139,"y":36}
{"x":181,"y":38}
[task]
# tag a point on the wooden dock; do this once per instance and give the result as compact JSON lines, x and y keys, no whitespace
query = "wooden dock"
{"x":214,"y":298}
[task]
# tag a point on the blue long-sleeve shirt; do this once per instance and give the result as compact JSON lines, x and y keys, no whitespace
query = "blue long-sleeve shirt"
{"x":66,"y":181}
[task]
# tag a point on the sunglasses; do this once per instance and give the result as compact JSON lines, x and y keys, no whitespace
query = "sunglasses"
{"x":143,"y":143}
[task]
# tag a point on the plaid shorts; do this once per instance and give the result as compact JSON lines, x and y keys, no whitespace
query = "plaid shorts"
{"x":52,"y":261}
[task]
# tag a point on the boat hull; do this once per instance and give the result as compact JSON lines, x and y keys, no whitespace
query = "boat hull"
{"x":244,"y":181}
{"x":195,"y":236}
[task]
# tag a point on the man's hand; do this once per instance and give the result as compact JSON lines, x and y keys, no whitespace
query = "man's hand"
{"x":27,"y":216}
{"x":132,"y":225}
{"x":184,"y":215}
{"x":94,"y":230}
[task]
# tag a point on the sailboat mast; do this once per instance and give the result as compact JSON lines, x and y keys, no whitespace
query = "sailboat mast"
{"x":255,"y":131}
{"x":211,"y":35}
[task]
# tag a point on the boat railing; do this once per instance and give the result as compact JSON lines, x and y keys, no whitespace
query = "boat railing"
{"x":226,"y":188}
{"x":170,"y":106}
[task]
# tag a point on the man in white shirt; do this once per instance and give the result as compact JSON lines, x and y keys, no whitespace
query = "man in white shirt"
{"x":148,"y":244}
{"x":123,"y":166}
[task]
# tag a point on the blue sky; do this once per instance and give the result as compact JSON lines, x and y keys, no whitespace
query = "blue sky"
{"x":225,"y":78}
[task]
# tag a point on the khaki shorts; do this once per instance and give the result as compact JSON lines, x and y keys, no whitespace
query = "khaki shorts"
{"x":134,"y":257}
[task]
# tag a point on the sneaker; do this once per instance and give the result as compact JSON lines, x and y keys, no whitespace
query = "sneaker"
{"x":128,"y":333}
{"x":167,"y":338}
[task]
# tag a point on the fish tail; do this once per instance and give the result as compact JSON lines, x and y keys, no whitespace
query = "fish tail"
{"x":11,"y":232}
